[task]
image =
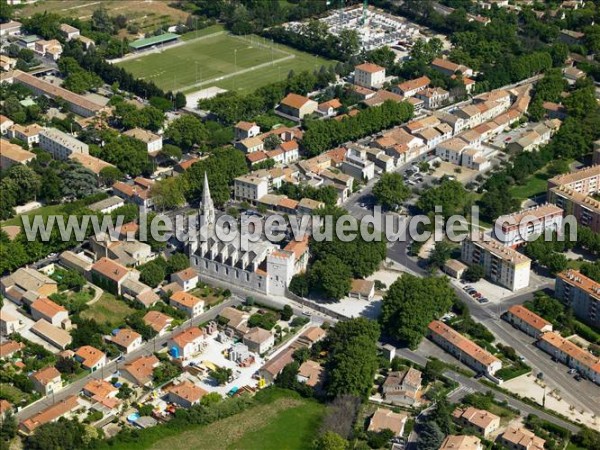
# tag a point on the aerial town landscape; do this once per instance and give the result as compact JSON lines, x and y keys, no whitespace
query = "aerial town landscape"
{"x":351,"y":142}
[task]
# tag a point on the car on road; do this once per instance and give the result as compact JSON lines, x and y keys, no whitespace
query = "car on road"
{"x":578,"y":377}
{"x":540,"y":375}
{"x":467,"y":287}
{"x":484,"y":300}
{"x":572,"y":371}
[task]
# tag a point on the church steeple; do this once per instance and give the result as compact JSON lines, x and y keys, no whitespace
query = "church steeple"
{"x":208,"y":207}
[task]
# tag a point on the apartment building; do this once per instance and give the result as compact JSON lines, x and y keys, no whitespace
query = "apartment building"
{"x":572,"y":355}
{"x":77,"y":103}
{"x":451,"y":150}
{"x":60,"y":144}
{"x":525,"y":320}
{"x":581,"y":294}
{"x":250,"y":187}
{"x":463,"y":349}
{"x":517,"y":228}
{"x":411,"y":87}
{"x":369,"y":75}
{"x":502,"y":265}
{"x":573,"y":193}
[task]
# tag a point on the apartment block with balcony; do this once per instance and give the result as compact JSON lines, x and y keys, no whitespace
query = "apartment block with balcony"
{"x":581,"y":294}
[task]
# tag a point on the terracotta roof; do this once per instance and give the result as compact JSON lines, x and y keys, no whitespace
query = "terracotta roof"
{"x":51,"y":413}
{"x":465,"y":345}
{"x":333,"y":103}
{"x":100,"y":389}
{"x":446,"y":64}
{"x":188,"y":391}
{"x":311,"y":370}
{"x":257,"y":335}
{"x":9,"y":347}
{"x":288,"y":203}
{"x":141,"y":368}
{"x":157,"y":320}
{"x":186,"y":274}
{"x":299,"y":248}
{"x":27,"y":130}
{"x":289,"y":146}
{"x":573,"y":177}
{"x":362,"y":287}
{"x":14,"y":152}
{"x":246,"y":126}
{"x":414,"y":84}
{"x":584,"y":357}
{"x":275,"y":365}
{"x":125,"y":337}
{"x":369,"y":67}
{"x":47,"y":307}
{"x":478,"y":417}
{"x":5,"y":406}
{"x":314,"y":334}
{"x":142,"y":135}
{"x":110,"y":269}
{"x":187,"y":336}
{"x":46,"y":375}
{"x":89,"y":355}
{"x":295,"y":101}
{"x":382,"y":96}
{"x":523,"y":438}
{"x":454,"y":442}
{"x":529,"y":317}
{"x":185,"y":299}
{"x":90,"y":162}
{"x":255,"y":157}
{"x":387,"y":419}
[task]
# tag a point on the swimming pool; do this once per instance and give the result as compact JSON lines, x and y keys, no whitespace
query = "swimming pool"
{"x":133,"y":417}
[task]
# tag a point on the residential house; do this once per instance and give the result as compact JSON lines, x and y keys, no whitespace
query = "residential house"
{"x":7,"y":63}
{"x":54,"y":335}
{"x":47,"y":381}
{"x":481,"y":420}
{"x":51,"y":48}
{"x":297,"y":106}
{"x":57,"y":315}
{"x":449,"y":68}
{"x":90,"y":162}
{"x":50,"y":414}
{"x":581,"y":294}
{"x":186,"y":343}
{"x":26,"y":280}
{"x":311,"y":373}
{"x":102,"y":392}
{"x":159,"y":322}
{"x":572,"y":355}
{"x":30,"y":134}
{"x":11,"y":154}
{"x":433,"y":98}
{"x":235,"y":320}
{"x":403,"y":387}
{"x":187,"y":278}
{"x":185,"y":394}
{"x":187,"y":303}
{"x":572,"y":74}
{"x":251,"y":145}
{"x":380,"y":97}
{"x":464,"y":349}
{"x":5,"y":124}
{"x":311,"y":336}
{"x":250,"y":187}
{"x":139,"y":371}
{"x":411,"y":87}
{"x":127,"y":340}
{"x":385,"y":419}
{"x":130,"y":252}
{"x":69,"y":31}
{"x":571,"y":37}
{"x":454,"y":442}
{"x":154,"y":142}
{"x":9,"y":324}
{"x":520,"y":438}
{"x":10,"y":28}
{"x":369,"y":75}
{"x":90,"y":358}
{"x":137,"y":193}
{"x":9,"y":348}
{"x":5,"y":406}
{"x":273,"y":367}
{"x":76,"y":261}
{"x":501,"y":264}
{"x":107,"y":205}
{"x":259,"y":340}
{"x":525,"y":320}
{"x":451,"y":150}
{"x":244,"y":130}
{"x":329,"y":108}
{"x":110,"y":275}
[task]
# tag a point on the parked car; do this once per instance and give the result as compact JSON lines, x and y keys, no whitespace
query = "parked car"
{"x":578,"y":377}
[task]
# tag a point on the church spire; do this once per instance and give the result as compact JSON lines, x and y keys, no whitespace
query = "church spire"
{"x":208,"y":207}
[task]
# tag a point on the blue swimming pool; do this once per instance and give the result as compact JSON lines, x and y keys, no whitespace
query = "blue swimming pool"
{"x":133,"y":417}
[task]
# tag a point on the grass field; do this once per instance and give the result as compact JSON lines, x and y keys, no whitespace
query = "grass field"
{"x":108,"y":310}
{"x":209,"y":58}
{"x":44,"y":211}
{"x":147,"y":15}
{"x":284,"y":424}
{"x":536,"y":185}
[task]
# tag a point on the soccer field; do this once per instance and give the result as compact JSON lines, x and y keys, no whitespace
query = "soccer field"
{"x":212,"y":60}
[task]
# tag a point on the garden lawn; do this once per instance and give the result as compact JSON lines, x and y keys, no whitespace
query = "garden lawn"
{"x":536,"y":185}
{"x":108,"y":310}
{"x":44,"y":211}
{"x":13,"y":394}
{"x":284,"y":424}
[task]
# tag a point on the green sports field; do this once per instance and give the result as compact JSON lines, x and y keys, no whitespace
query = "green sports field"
{"x":211,"y":60}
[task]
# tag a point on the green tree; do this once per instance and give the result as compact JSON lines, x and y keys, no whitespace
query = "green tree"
{"x":287,"y":313}
{"x":168,"y":193}
{"x":330,"y":441}
{"x":152,"y":273}
{"x":177,"y":262}
{"x":474,"y":273}
{"x":164,"y":372}
{"x":390,"y":191}
{"x":186,"y":132}
{"x":109,"y":175}
{"x":430,"y":436}
{"x":8,"y":426}
{"x":331,"y":277}
{"x":442,"y":251}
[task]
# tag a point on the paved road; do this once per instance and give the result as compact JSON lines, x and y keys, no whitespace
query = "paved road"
{"x":474,"y":386}
{"x":148,"y":348}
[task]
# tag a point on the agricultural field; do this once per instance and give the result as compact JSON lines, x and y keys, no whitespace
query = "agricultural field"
{"x":147,"y":15}
{"x":212,"y":59}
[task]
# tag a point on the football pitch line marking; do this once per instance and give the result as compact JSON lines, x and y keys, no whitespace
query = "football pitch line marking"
{"x":233,"y":74}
